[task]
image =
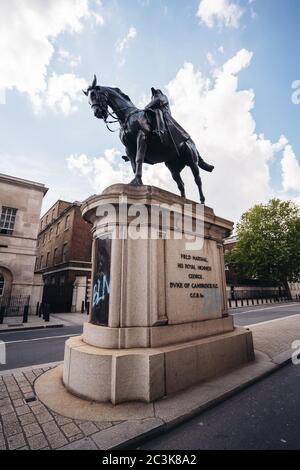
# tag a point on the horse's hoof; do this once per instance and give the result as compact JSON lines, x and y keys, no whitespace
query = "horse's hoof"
{"x":136,"y":182}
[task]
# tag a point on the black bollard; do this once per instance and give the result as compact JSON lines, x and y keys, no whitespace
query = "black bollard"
{"x":87,"y":308}
{"x":25,"y":314}
{"x":82,"y":306}
{"x":47,"y":313}
{"x":2,"y":314}
{"x":37,"y":309}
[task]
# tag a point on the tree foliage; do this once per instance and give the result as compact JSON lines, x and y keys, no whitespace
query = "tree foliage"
{"x":268,"y":246}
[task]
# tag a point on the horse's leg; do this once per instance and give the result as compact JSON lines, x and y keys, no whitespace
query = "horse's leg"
{"x":196,"y":173}
{"x":175,"y":172}
{"x":140,"y":157}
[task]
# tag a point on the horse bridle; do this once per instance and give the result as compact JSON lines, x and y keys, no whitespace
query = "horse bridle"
{"x":114,"y":117}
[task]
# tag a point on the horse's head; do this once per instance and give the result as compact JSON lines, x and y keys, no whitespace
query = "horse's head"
{"x":98,"y":99}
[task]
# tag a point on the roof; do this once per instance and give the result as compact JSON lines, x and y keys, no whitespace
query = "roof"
{"x":21,"y":182}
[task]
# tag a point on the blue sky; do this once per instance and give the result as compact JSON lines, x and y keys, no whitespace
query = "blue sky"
{"x":48,"y":132}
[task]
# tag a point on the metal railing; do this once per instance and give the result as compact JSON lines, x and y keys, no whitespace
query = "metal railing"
{"x":14,"y":306}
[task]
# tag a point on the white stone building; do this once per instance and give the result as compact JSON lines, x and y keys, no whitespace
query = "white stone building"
{"x":20,"y":208}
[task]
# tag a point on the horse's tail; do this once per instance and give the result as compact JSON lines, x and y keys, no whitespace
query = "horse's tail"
{"x":203,"y":165}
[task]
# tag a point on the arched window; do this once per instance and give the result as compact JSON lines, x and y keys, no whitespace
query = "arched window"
{"x":1,"y":285}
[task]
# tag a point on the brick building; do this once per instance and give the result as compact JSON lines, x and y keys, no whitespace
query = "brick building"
{"x":64,"y":256}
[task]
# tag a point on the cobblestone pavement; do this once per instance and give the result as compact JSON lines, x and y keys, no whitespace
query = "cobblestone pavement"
{"x":33,"y":426}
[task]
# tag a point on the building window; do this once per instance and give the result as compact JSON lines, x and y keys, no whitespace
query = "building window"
{"x":44,"y":238}
{"x":50,"y":233}
{"x":58,"y":228}
{"x":2,"y":283}
{"x":64,"y":253}
{"x":7,"y":220}
{"x":55,"y":256}
{"x":47,"y":259}
{"x":67,"y":222}
{"x":41,"y":265}
{"x":53,"y":214}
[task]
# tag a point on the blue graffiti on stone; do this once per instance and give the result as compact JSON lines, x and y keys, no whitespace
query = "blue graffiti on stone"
{"x":101,"y":289}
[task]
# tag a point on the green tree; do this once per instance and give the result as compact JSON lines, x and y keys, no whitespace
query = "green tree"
{"x":268,"y":246}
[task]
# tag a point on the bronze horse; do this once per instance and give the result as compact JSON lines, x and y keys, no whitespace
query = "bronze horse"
{"x":143,"y":139}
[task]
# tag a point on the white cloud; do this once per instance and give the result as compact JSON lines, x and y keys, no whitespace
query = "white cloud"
{"x":109,"y":169}
{"x":123,"y":44}
{"x":28,"y":31}
{"x":290,"y":171}
{"x":218,"y":116}
{"x":219,"y":13}
{"x":68,"y":58}
{"x":62,"y":95}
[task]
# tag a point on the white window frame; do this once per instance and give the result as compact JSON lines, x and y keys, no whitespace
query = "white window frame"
{"x":7,"y":220}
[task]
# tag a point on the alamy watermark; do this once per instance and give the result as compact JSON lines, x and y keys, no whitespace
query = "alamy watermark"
{"x":2,"y":353}
{"x":155,"y":221}
{"x":296,"y":93}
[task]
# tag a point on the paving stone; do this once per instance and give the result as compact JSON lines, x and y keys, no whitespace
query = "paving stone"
{"x":102,"y":426}
{"x":37,"y":442}
{"x":76,"y":437}
{"x":30,"y":376}
{"x":37,"y":372}
{"x":22,"y":410}
{"x":5,"y":401}
{"x":70,"y":429}
{"x":15,"y":442}
{"x":13,"y":388}
{"x":27,"y":419}
{"x":16,"y":395}
{"x":88,"y":428}
{"x":2,"y":440}
{"x":50,"y":428}
{"x":44,"y":417}
{"x":32,"y":429}
{"x":82,"y":444}
{"x":9,"y":418}
{"x":6,"y":409}
{"x":18,"y":402}
{"x":24,"y":448}
{"x":57,"y":440}
{"x":38,"y":408}
{"x":26,"y":390}
{"x":61,"y":420}
{"x":11,"y":429}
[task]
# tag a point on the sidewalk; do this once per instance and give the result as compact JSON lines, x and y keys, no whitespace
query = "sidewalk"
{"x":34,"y":322}
{"x":34,"y":426}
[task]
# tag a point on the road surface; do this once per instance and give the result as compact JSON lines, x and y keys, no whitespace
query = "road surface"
{"x":265,"y":416}
{"x":260,"y":313}
{"x":32,"y":347}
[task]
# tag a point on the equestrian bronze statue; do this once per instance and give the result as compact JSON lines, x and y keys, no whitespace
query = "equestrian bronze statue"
{"x":150,"y":135}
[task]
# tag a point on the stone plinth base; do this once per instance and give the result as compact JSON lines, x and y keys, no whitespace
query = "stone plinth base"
{"x":147,"y":374}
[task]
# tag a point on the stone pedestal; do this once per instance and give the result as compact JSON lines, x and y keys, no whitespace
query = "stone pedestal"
{"x":159,"y":320}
